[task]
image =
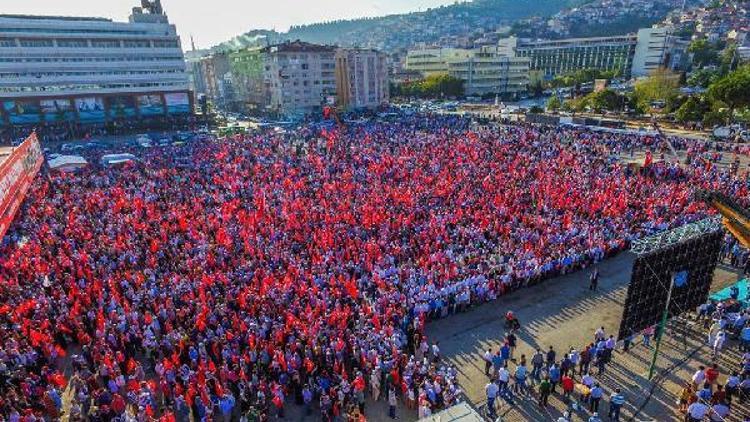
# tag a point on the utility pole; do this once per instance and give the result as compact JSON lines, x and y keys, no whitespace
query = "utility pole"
{"x":660,"y":332}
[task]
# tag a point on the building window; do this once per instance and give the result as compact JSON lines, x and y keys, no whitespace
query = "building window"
{"x":166,"y":44}
{"x":73,"y":43}
{"x":137,"y":44}
{"x":36,"y":43}
{"x":106,"y":44}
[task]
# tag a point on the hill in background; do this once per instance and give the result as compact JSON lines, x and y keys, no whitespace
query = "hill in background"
{"x":402,"y":31}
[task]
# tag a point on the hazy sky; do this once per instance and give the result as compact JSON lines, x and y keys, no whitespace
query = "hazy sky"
{"x":214,"y":21}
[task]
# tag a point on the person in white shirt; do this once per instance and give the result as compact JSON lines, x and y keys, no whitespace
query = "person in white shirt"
{"x":697,"y":411}
{"x":699,"y":376}
{"x":599,"y":334}
{"x":718,"y":344}
{"x":491,"y":390}
{"x":435,"y":352}
{"x":424,"y":410}
{"x":503,"y":377}
{"x":487,"y":362}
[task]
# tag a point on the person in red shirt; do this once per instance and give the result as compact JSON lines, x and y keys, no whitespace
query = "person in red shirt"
{"x":712,"y":374}
{"x":567,"y":385}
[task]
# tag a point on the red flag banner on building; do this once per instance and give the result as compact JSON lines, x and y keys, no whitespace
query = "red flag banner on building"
{"x":16,"y":174}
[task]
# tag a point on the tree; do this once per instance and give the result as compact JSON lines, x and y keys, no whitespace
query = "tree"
{"x":732,"y":91}
{"x":433,"y":86}
{"x":692,"y":110}
{"x":442,"y":85}
{"x":554,"y":103}
{"x":661,"y":86}
{"x":606,"y":99}
{"x":714,"y":118}
{"x":703,"y":77}
{"x":704,"y":53}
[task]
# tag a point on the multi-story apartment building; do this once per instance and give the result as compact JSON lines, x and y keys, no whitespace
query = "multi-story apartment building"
{"x":246,"y":67}
{"x":91,"y":69}
{"x":300,"y":77}
{"x":560,"y":57}
{"x":361,"y":78}
{"x":489,"y":72}
{"x":218,"y":83}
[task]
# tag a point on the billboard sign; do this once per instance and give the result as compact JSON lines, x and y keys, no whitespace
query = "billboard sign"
{"x":150,"y":105}
{"x":90,"y":109}
{"x":16,"y":174}
{"x":121,"y":107}
{"x":57,"y":110}
{"x":178,"y":103}
{"x":22,"y":112}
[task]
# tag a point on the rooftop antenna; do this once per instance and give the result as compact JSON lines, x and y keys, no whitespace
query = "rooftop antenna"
{"x":153,"y":6}
{"x":192,"y":42}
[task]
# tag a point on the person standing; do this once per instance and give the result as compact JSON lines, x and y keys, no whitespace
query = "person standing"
{"x":512,"y":342}
{"x":697,"y":411}
{"x":616,"y":401}
{"x":487,"y":362}
{"x":375,"y":383}
{"x":551,"y":356}
{"x":537,"y":361}
{"x":503,"y":378}
{"x":554,"y":376}
{"x":585,"y":361}
{"x":392,"y":402}
{"x":647,"y":334}
{"x":596,"y":396}
{"x":594,"y":279}
{"x":492,"y":390}
{"x":520,"y":377}
{"x":567,"y":385}
{"x":545,"y":388}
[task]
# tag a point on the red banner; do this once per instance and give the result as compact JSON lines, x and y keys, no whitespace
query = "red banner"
{"x":16,"y":174}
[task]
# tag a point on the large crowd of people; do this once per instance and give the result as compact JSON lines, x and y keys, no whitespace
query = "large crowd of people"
{"x":231,"y":278}
{"x":64,"y":131}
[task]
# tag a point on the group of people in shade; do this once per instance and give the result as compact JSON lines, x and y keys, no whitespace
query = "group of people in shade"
{"x":715,"y":390}
{"x":228,"y":279}
{"x":573,"y":373}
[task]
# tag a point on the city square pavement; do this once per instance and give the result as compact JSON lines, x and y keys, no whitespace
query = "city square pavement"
{"x":562,"y":313}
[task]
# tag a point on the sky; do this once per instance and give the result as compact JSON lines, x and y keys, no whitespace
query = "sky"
{"x":214,"y":21}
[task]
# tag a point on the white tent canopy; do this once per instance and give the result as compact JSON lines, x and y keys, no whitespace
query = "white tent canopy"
{"x":67,"y":162}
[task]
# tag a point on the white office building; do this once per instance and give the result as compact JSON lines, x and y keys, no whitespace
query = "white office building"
{"x":652,"y":51}
{"x":91,"y":69}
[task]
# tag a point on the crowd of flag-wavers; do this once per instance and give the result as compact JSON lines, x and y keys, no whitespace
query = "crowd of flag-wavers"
{"x":272,"y":274}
